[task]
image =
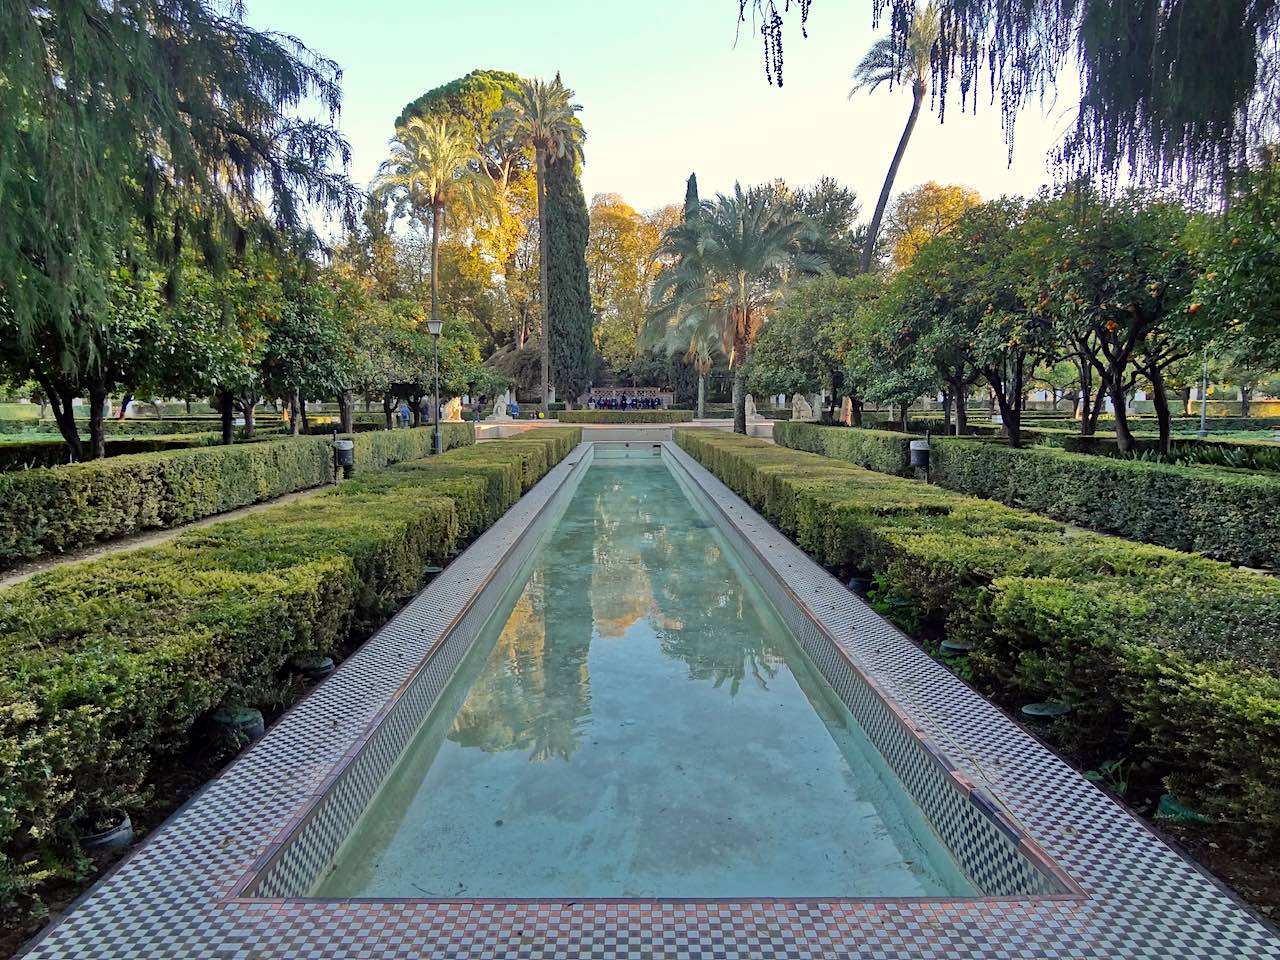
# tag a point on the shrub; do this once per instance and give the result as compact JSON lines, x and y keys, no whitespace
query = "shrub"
{"x":1165,"y":656}
{"x":626,"y":416}
{"x":49,"y":453}
{"x":61,"y":508}
{"x":108,"y":666}
{"x":880,"y":450}
{"x":1222,"y":513}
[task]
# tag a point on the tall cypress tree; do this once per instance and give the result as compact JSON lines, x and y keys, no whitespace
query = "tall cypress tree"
{"x":568,"y":283}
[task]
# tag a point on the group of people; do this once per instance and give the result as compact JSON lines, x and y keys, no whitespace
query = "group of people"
{"x":623,"y":402}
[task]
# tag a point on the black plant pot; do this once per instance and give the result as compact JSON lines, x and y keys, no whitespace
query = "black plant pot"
{"x":120,"y":834}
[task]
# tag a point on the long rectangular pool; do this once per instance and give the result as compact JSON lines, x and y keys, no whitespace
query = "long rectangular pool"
{"x":636,"y":721}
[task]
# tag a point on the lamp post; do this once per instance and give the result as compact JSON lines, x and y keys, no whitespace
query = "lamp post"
{"x":434,"y":326}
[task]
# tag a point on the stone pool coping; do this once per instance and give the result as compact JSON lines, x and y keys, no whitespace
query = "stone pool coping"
{"x":178,"y":894}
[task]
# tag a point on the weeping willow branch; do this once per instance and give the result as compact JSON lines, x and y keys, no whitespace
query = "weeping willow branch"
{"x":1172,"y":91}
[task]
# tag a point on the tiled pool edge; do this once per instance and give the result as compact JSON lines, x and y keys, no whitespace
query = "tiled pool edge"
{"x":1000,"y":859}
{"x":294,"y":863}
{"x":175,"y":897}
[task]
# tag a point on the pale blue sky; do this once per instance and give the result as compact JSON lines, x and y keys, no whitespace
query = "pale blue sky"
{"x":665,"y":92}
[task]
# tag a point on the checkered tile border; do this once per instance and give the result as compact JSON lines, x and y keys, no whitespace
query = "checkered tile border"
{"x":986,"y":845}
{"x":177,"y":896}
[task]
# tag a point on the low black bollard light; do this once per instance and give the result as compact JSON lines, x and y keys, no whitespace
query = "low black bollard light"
{"x":344,"y":457}
{"x":920,"y":456}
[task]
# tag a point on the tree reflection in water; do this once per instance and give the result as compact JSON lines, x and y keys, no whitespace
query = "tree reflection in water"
{"x":597,"y":578}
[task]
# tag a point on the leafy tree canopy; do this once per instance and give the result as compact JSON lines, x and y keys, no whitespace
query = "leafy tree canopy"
{"x":171,"y":118}
{"x":922,"y":213}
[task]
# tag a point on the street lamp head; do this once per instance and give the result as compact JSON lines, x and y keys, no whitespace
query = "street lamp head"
{"x":434,"y":325}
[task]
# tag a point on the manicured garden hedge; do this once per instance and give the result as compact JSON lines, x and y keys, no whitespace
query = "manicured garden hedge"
{"x":1179,"y":424}
{"x":880,"y":450}
{"x":51,"y":452}
{"x":1165,"y":656}
{"x":1226,"y":514}
{"x":131,"y":427}
{"x":626,"y":416}
{"x":61,"y":508}
{"x":109,"y":666}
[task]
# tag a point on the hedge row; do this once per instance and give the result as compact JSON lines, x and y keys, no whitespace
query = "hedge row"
{"x":626,"y":416}
{"x":1164,"y":656}
{"x":60,"y":508}
{"x":1179,"y":424}
{"x":1226,"y":514}
{"x":110,"y":666}
{"x":29,"y":454}
{"x":881,"y":450}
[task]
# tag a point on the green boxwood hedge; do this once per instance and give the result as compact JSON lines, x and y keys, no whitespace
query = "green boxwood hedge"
{"x":109,"y":666}
{"x":1225,"y":514}
{"x":626,"y":416}
{"x":60,"y":508}
{"x":1166,"y":656}
{"x":880,"y":450}
{"x":51,"y":452}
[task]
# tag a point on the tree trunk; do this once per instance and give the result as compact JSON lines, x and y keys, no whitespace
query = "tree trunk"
{"x":962,"y":412}
{"x":855,"y":407}
{"x":435,"y":257}
{"x":302,"y":414}
{"x":946,"y":411}
{"x":64,"y":416}
{"x":1184,"y":397}
{"x":543,"y":245}
{"x":386,"y":411}
{"x":250,"y":423}
{"x":97,"y":437}
{"x":124,"y":406}
{"x":1007,"y":387}
{"x":868,"y":251}
{"x":415,"y":408}
{"x":702,"y":396}
{"x":1160,"y":400}
{"x":904,"y":416}
{"x":295,"y":414}
{"x":739,"y":401}
{"x":1088,"y":413}
{"x":226,"y":410}
{"x":346,"y":416}
{"x":1124,"y":436}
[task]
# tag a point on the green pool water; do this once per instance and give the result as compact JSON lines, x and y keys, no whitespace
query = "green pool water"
{"x":636,"y":721}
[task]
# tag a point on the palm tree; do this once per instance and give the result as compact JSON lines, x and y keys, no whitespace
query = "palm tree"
{"x":883,"y":65}
{"x":434,"y":164}
{"x":542,"y":115}
{"x":730,"y":262}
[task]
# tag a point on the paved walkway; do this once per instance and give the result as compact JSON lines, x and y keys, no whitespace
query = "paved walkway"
{"x":151,"y":538}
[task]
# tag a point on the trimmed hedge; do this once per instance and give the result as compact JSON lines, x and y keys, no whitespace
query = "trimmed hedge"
{"x":1190,"y":424}
{"x":130,"y":427}
{"x":61,"y":508}
{"x":1226,"y":514}
{"x":626,"y":416}
{"x":881,"y":450}
{"x":1165,"y":656}
{"x":25,"y":455}
{"x":110,"y":666}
